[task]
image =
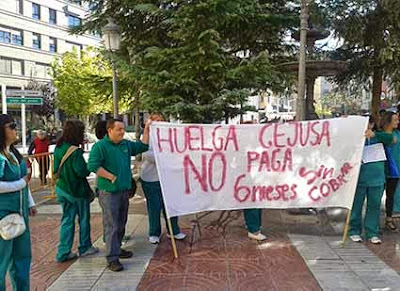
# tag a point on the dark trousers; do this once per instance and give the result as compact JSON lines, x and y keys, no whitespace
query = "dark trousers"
{"x":44,"y":163}
{"x":253,"y":218}
{"x":391,"y":185}
{"x":115,"y":215}
{"x":155,"y":205}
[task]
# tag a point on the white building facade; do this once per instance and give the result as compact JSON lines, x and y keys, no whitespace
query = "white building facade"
{"x":34,"y":33}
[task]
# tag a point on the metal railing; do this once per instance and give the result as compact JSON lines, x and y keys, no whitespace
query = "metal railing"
{"x":42,"y":166}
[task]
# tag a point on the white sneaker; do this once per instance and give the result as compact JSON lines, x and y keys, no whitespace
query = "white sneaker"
{"x":154,"y":239}
{"x":257,"y":236}
{"x":91,"y":251}
{"x":375,"y":240}
{"x":356,"y":238}
{"x":179,"y":236}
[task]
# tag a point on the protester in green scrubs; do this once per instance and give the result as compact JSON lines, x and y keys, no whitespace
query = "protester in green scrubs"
{"x":154,"y":199}
{"x":73,"y":192}
{"x":15,"y":254}
{"x":371,"y":183}
{"x":389,"y":123}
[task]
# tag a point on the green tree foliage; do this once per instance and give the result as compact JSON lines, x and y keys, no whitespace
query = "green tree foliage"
{"x":47,"y":109}
{"x":200,"y":60}
{"x":82,"y":81}
{"x":370,"y":33}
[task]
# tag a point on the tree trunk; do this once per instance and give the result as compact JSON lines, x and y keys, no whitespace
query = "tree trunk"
{"x":376,"y":92}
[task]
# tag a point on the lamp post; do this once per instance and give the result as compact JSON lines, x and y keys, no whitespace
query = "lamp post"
{"x":112,"y":42}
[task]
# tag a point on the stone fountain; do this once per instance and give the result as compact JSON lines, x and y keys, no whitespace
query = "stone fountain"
{"x":314,"y":68}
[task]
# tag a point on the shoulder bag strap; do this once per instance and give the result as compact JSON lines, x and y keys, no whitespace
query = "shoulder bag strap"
{"x":69,"y":152}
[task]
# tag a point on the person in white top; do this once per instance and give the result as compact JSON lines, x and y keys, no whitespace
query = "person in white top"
{"x":152,"y":191}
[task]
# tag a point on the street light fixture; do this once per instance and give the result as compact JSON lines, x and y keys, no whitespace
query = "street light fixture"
{"x":112,"y":42}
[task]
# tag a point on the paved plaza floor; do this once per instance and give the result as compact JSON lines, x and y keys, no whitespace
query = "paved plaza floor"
{"x":303,"y":252}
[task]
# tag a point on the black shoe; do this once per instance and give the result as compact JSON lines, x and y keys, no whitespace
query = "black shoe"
{"x":115,"y":266}
{"x":125,"y":254}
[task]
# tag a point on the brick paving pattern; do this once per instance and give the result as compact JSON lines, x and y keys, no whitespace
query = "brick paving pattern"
{"x":225,"y":259}
{"x":45,"y":236}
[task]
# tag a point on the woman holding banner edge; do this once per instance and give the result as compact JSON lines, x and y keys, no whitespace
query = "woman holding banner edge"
{"x":152,"y":191}
{"x":389,"y":124}
{"x":370,"y":186}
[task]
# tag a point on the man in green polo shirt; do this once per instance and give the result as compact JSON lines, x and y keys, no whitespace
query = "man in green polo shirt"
{"x":110,"y":159}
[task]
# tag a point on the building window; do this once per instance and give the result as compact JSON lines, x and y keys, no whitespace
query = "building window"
{"x":19,"y":5}
{"x":71,"y":46}
{"x":5,"y":36}
{"x":17,"y":37}
{"x":35,"y":11}
{"x":77,"y":2}
{"x":8,"y":35}
{"x":52,"y":45}
{"x":41,"y":71}
{"x":36,"y":41}
{"x":52,"y":16}
{"x":11,"y":67}
{"x":74,"y":21}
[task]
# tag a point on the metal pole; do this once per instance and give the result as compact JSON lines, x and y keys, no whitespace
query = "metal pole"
{"x":302,"y":61}
{"x":23,"y":125}
{"x":115,"y":88}
{"x":4,"y":99}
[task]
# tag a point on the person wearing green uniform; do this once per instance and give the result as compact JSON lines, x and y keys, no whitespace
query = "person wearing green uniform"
{"x":73,"y":192}
{"x":253,"y":218}
{"x":154,"y":197}
{"x":389,"y":123}
{"x":15,"y":254}
{"x":370,"y":186}
{"x":110,"y":159}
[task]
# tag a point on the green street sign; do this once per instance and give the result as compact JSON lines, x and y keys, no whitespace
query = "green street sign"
{"x":27,"y":101}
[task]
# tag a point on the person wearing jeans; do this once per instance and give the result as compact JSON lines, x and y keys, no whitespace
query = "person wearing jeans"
{"x":110,"y":159}
{"x":152,"y":191}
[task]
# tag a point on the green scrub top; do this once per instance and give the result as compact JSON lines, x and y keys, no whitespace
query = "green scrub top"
{"x":9,"y":172}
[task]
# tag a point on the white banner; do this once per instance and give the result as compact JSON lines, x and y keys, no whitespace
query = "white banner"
{"x":290,"y":165}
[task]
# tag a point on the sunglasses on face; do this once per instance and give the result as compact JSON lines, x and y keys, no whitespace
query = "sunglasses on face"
{"x":12,"y":126}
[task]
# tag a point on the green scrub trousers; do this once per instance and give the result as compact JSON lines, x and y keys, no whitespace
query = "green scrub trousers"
{"x":372,"y":215}
{"x":72,"y":207}
{"x":253,"y":218}
{"x":155,"y":204}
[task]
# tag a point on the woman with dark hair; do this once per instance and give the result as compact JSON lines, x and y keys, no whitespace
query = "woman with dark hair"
{"x":73,"y":192}
{"x":389,"y":123}
{"x":101,"y":129}
{"x":15,"y":254}
{"x":370,"y":186}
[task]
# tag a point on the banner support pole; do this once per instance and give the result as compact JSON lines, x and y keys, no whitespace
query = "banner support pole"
{"x":346,"y":229}
{"x":174,"y":250}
